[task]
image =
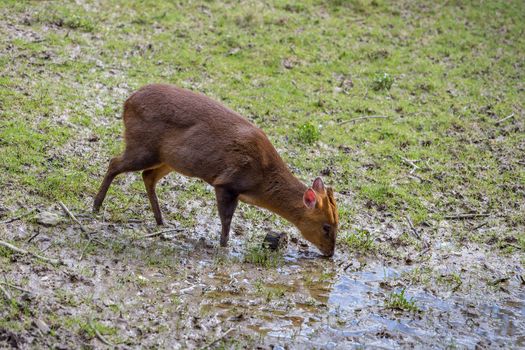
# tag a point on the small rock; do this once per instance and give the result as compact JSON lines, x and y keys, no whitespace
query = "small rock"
{"x":42,"y":326}
{"x":47,"y":218}
{"x":233,"y":51}
{"x":3,"y":211}
{"x":275,"y":240}
{"x":288,"y":63}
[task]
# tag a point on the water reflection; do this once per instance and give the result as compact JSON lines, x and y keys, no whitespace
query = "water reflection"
{"x":314,"y":302}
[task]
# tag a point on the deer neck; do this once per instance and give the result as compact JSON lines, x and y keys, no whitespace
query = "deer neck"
{"x":282,"y":193}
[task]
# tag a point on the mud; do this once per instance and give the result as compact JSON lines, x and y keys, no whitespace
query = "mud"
{"x":180,"y":290}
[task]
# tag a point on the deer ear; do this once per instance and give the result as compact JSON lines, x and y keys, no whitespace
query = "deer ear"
{"x":318,"y":185}
{"x":309,"y":198}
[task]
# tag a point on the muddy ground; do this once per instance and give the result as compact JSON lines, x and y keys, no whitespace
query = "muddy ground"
{"x":116,"y":288}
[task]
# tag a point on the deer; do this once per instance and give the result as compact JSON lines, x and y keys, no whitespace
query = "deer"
{"x":168,"y":128}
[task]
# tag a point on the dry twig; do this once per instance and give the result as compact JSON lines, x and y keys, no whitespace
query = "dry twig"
{"x":424,"y":251}
{"x":15,"y":287}
{"x":363,"y":118}
{"x":34,"y":236}
{"x":100,"y":336}
{"x":465,"y":216}
{"x":5,"y":293}
{"x":70,"y":214}
{"x":416,"y":233}
{"x":17,"y":217}
{"x":411,"y":163}
{"x":25,"y":252}
{"x":480,"y":225}
{"x":506,"y":118}
{"x":218,"y":339}
{"x":155,"y":234}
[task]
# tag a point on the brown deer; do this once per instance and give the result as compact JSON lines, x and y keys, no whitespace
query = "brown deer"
{"x":172,"y":129}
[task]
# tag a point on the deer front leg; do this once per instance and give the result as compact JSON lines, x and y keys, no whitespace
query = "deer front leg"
{"x":226,"y":202}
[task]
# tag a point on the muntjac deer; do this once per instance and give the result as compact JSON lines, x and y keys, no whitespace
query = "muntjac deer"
{"x":172,"y":129}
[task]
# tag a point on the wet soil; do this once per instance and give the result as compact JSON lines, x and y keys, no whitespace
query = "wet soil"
{"x":180,"y":290}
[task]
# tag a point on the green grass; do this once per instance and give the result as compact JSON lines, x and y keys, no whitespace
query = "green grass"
{"x":308,"y":133}
{"x":270,"y":292}
{"x":361,"y":241}
{"x":399,"y":301}
{"x":382,"y":81}
{"x":443,"y":74}
{"x":258,"y":255}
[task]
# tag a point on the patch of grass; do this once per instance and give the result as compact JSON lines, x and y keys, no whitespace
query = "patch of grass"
{"x":453,"y":280}
{"x":15,"y":314}
{"x":382,"y":81}
{"x":87,"y":328}
{"x":258,"y":255}
{"x":269,"y":292}
{"x":5,"y":253}
{"x":360,"y":241}
{"x":63,"y":16}
{"x":66,"y":298}
{"x":323,"y":278}
{"x":420,"y":275}
{"x":398,"y":301}
{"x":308,"y":133}
{"x":163,"y":257}
{"x":99,"y":327}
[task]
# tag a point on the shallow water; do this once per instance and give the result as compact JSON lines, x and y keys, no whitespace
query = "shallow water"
{"x":320,"y":304}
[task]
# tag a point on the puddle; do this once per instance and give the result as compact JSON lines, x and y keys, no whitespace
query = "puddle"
{"x":315,"y":303}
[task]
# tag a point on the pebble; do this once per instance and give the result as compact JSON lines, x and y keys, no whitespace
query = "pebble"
{"x":47,"y":218}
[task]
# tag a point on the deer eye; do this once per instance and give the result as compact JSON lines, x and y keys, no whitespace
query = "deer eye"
{"x":326,"y":229}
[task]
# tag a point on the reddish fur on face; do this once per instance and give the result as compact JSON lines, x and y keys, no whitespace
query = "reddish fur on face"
{"x":172,"y":129}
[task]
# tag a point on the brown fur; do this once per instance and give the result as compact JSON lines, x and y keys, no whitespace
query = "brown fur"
{"x":172,"y":129}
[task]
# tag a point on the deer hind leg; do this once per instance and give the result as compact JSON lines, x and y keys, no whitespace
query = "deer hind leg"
{"x":127,"y":162}
{"x":151,"y":177}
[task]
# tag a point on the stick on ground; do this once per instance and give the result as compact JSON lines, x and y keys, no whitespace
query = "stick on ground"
{"x":101,"y":337}
{"x":5,"y":293}
{"x":34,"y":236}
{"x":363,"y":118}
{"x":70,"y":214}
{"x":25,"y":252}
{"x":466,"y":216}
{"x":506,"y":118}
{"x":15,"y":287}
{"x":412,"y":227}
{"x":219,"y":339}
{"x":411,"y":163}
{"x":480,"y":225}
{"x":155,"y":234}
{"x":17,"y":217}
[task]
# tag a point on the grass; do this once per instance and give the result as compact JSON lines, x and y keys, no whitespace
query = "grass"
{"x":382,"y":81}
{"x":308,"y":133}
{"x":264,"y":257}
{"x":453,"y":280}
{"x":399,"y":301}
{"x":360,"y":241}
{"x":444,"y":74}
{"x":269,"y":292}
